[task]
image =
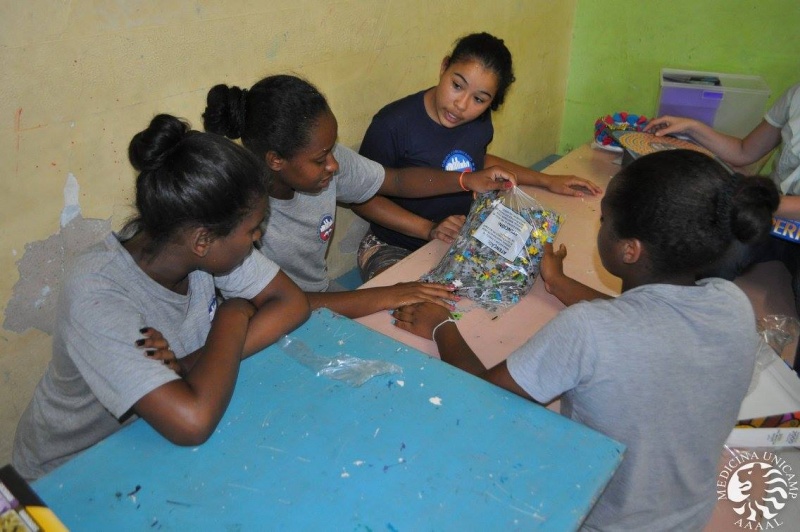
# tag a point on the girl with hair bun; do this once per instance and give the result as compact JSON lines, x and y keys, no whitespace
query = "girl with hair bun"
{"x":662,"y":368}
{"x":445,"y":126}
{"x":151,"y":290}
{"x":780,"y":128}
{"x":287,"y":122}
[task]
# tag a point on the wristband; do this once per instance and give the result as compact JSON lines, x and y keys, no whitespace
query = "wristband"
{"x":433,"y":333}
{"x":461,"y":183}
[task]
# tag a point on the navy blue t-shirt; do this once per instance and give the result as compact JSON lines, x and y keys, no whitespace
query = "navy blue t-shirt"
{"x":403,"y":135}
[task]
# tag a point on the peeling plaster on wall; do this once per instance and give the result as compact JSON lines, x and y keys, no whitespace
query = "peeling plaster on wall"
{"x":42,"y":266}
{"x":41,"y":270}
{"x":71,"y":206}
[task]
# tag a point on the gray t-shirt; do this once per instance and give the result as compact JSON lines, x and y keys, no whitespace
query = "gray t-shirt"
{"x":97,"y":373}
{"x":300,"y":229}
{"x":785,"y":115}
{"x":661,"y":368}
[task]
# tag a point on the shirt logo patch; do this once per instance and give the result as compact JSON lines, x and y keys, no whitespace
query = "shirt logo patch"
{"x":326,"y":227}
{"x":458,"y":161}
{"x":212,"y":307}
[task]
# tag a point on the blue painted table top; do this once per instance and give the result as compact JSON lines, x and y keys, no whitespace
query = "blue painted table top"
{"x":432,"y":448}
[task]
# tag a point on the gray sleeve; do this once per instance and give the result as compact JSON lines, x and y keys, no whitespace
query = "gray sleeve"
{"x":250,"y":278}
{"x":359,"y":178}
{"x":778,"y":114}
{"x":100,"y":330}
{"x":556,"y":359}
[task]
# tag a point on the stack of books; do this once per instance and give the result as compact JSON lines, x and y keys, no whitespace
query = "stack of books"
{"x":21,"y":510}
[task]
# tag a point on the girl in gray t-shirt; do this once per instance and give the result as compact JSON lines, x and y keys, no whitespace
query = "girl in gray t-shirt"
{"x":662,"y":368}
{"x":139,"y":328}
{"x":287,"y":122}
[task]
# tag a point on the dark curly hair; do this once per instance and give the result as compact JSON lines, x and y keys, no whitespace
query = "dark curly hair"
{"x":277,"y":114}
{"x":188,"y":178}
{"x":493,"y":54}
{"x":687,"y":208}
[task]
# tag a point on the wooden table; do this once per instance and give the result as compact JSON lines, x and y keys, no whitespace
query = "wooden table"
{"x":492,"y":337}
{"x":432,"y":448}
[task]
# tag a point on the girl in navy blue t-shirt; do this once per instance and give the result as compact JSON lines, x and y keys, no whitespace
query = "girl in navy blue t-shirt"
{"x":448,"y":126}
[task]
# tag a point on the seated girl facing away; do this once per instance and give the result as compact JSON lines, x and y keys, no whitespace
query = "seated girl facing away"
{"x":287,"y":122}
{"x":135,"y":302}
{"x":447,"y":126}
{"x":662,"y":368}
{"x":780,"y":127}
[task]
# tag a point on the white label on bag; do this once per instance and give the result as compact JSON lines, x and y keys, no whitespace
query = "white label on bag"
{"x":504,"y":231}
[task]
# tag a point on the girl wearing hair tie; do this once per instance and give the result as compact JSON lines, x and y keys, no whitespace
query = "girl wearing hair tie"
{"x":287,"y":122}
{"x":780,"y":128}
{"x":664,"y":367}
{"x":140,"y":331}
{"x":447,"y":126}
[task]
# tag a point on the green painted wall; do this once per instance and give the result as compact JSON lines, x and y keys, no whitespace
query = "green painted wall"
{"x":620,"y":46}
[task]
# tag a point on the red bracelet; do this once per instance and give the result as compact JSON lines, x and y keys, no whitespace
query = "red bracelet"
{"x":461,"y":181}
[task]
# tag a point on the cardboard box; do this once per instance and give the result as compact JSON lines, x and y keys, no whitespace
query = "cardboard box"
{"x":21,"y":509}
{"x":770,"y":414}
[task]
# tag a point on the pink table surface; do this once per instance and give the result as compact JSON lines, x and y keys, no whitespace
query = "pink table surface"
{"x":492,"y":336}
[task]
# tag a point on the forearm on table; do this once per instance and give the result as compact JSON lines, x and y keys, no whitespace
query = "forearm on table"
{"x":280,"y":307}
{"x":387,"y":213}
{"x":525,"y":176}
{"x":275,"y":318}
{"x":353,"y":304}
{"x":569,"y":291}
{"x":225,"y":340}
{"x":185,"y":411}
{"x":454,"y":350}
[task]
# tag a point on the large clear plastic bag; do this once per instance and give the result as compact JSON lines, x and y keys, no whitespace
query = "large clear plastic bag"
{"x":495,"y":259}
{"x":343,"y":367}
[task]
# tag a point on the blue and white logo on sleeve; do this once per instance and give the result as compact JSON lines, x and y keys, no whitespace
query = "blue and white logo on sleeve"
{"x":212,"y":307}
{"x":458,"y":161}
{"x":326,"y":227}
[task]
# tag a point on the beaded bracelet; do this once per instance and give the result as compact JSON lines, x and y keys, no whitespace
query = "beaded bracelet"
{"x":448,"y":320}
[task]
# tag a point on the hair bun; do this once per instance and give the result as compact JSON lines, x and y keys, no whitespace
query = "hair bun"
{"x":754,"y":201}
{"x":149,"y":148}
{"x":225,"y":111}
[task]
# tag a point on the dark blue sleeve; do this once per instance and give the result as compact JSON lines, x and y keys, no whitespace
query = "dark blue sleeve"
{"x":382,"y":143}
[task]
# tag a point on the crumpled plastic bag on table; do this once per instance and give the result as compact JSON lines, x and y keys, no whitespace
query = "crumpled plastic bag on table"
{"x":343,"y":367}
{"x":495,"y":259}
{"x":777,"y":331}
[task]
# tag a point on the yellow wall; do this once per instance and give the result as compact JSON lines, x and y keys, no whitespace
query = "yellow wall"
{"x":81,"y":77}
